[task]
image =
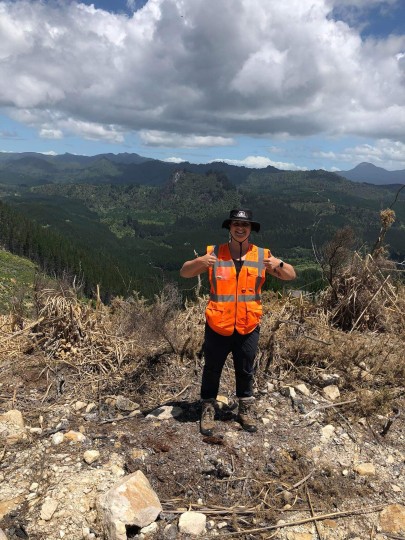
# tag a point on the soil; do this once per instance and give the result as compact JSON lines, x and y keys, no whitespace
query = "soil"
{"x":244,"y":483}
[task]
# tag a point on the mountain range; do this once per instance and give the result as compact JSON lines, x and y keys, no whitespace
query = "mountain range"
{"x":33,"y":168}
{"x":124,"y":222}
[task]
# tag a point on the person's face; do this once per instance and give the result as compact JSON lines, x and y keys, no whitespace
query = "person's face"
{"x":240,"y":230}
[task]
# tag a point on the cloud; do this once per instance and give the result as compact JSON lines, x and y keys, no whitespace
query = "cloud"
{"x":174,"y":160}
{"x":189,"y":74}
{"x":51,"y":134}
{"x":260,"y":162}
{"x":174,"y":140}
{"x":384,"y":153}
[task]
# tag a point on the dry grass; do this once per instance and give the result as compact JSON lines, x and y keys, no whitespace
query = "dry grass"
{"x":356,"y":331}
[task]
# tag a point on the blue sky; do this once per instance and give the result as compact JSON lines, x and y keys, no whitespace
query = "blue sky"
{"x":298,"y":84}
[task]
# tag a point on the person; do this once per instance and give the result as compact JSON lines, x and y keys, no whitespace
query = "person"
{"x":236,"y":271}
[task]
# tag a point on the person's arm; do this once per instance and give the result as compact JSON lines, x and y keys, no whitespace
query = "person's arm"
{"x":278,"y":268}
{"x":197,"y":266}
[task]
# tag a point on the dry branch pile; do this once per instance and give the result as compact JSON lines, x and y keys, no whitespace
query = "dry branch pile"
{"x":365,"y":296}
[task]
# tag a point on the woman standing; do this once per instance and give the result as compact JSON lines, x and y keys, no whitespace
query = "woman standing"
{"x":236,"y":271}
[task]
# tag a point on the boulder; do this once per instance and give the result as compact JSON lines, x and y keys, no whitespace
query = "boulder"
{"x":130,"y":502}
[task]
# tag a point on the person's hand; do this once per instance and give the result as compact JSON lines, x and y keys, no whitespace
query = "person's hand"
{"x":208,"y":260}
{"x":271,"y":263}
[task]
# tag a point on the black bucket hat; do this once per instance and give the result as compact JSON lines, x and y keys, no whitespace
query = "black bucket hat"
{"x":241,"y":214}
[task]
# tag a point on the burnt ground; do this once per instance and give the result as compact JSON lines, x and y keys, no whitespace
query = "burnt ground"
{"x":244,"y":483}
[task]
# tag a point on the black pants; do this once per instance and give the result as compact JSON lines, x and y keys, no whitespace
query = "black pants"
{"x":216,"y":350}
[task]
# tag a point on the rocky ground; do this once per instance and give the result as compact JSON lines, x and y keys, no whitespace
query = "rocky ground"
{"x":313,"y":470}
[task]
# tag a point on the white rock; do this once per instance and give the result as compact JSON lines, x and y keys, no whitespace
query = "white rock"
{"x":79,"y":405}
{"x":192,"y":523}
{"x":303,"y":389}
{"x":2,"y":535}
{"x":35,"y":430}
{"x":117,"y":470}
{"x":331,"y":392}
{"x":327,"y":432}
{"x":90,"y":456}
{"x":165,"y":412}
{"x":91,"y":407}
{"x":131,"y":501}
{"x":48,"y":509}
{"x":149,"y":529}
{"x":222,"y":401}
{"x":57,"y":438}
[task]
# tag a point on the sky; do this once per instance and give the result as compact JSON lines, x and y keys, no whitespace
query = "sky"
{"x":296,"y":84}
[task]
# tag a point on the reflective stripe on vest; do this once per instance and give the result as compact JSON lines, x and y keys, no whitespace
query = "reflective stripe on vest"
{"x":215,"y":297}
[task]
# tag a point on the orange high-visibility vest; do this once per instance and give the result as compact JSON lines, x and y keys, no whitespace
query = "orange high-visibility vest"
{"x":235,"y":303}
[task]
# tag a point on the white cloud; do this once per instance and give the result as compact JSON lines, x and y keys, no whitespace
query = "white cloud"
{"x":384,"y":153}
{"x":174,"y":140}
{"x":190,"y":74}
{"x":174,"y":160}
{"x":260,"y":162}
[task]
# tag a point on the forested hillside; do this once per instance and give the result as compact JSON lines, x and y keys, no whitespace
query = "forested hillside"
{"x":136,"y":236}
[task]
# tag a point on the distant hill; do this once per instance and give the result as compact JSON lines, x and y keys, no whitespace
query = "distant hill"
{"x":367,"y":172}
{"x":32,"y":168}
